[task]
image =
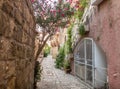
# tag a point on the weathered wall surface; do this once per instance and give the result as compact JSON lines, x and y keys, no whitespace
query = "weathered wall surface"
{"x":105,"y":29}
{"x":16,"y":44}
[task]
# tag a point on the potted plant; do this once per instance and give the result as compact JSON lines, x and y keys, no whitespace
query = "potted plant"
{"x":67,"y":67}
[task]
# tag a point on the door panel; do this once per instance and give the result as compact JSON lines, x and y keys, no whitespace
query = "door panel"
{"x":90,"y":64}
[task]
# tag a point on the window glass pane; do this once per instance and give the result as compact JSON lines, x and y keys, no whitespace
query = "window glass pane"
{"x":89,"y":62}
{"x":89,"y":75}
{"x":89,"y":51}
{"x":80,"y":71}
{"x":81,"y":52}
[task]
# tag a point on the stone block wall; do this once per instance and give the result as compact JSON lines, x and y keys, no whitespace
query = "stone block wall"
{"x":105,"y":29}
{"x":17,"y":42}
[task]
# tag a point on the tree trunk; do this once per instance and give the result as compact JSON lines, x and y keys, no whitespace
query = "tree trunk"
{"x":41,"y":47}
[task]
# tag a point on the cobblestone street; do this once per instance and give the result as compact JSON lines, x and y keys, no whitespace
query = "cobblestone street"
{"x":53,"y":78}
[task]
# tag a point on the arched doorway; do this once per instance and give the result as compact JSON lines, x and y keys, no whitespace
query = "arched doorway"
{"x":90,"y":64}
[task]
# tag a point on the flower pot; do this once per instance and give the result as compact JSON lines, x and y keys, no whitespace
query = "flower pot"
{"x":67,"y":70}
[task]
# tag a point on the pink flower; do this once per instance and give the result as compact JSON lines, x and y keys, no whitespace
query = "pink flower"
{"x":77,"y":2}
{"x":59,"y":10}
{"x":66,"y":9}
{"x":77,"y":6}
{"x":32,"y":0}
{"x":72,"y":13}
{"x":63,"y":15}
{"x":60,"y":0}
{"x":70,"y":1}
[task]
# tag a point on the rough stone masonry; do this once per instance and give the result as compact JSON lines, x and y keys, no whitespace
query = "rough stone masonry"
{"x":17,"y":37}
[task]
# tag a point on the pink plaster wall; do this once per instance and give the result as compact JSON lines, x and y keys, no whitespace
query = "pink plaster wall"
{"x":105,"y":29}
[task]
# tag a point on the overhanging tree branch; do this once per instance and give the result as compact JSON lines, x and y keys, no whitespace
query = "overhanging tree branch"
{"x":51,"y":16}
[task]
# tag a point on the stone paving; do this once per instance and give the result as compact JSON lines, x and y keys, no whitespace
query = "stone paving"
{"x":53,"y":78}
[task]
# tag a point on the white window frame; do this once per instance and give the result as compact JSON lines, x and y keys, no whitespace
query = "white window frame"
{"x":86,"y":61}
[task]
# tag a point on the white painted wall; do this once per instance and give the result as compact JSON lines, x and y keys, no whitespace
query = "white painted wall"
{"x":100,"y":66}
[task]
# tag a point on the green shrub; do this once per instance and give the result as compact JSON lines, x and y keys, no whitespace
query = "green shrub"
{"x":46,"y":50}
{"x":45,"y":53}
{"x":68,"y":43}
{"x":60,"y":58}
{"x":82,"y":30}
{"x":37,"y":73}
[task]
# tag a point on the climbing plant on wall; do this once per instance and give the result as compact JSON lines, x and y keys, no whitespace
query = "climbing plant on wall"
{"x":81,"y":4}
{"x":68,"y":43}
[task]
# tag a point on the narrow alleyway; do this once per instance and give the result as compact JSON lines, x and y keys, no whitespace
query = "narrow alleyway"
{"x":53,"y":78}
